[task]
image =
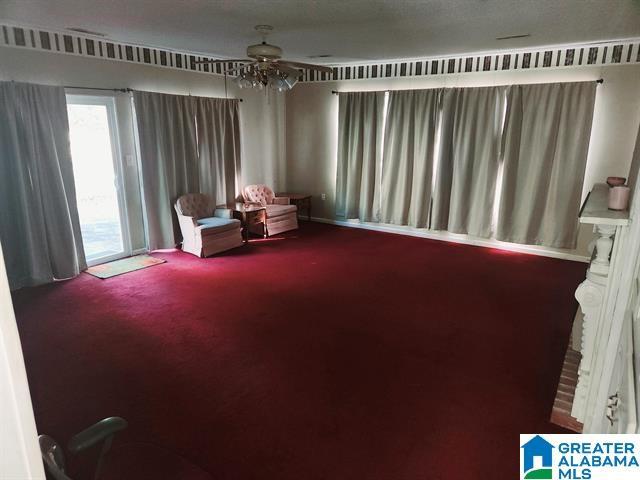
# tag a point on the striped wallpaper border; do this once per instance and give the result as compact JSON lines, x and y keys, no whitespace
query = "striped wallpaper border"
{"x":609,"y":53}
{"x":72,"y":43}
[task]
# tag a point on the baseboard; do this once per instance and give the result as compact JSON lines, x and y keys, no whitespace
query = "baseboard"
{"x":455,"y":238}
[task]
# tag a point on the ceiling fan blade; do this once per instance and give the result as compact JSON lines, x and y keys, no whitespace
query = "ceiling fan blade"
{"x":231,"y":60}
{"x":320,"y":68}
{"x":241,"y":67}
{"x":290,"y":71}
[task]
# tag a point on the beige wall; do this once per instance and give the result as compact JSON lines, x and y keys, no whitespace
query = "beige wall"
{"x":261,"y":113}
{"x":290,"y":141}
{"x":312,"y":129}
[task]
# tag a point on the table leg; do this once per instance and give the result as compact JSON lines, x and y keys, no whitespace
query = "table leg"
{"x":246,"y":227}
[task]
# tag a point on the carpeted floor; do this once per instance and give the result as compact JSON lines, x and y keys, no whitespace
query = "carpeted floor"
{"x":327,"y":353}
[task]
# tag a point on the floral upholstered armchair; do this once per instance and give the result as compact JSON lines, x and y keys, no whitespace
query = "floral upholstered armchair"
{"x":281,"y":216}
{"x":205,"y":230}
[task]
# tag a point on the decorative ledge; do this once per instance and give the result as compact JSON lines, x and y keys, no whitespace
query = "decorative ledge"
{"x":596,"y":212}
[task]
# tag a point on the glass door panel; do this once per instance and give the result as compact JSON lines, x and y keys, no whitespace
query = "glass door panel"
{"x":96,"y":167}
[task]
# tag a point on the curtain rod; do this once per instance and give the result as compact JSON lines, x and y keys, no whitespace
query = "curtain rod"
{"x":335,"y":92}
{"x":121,"y":90}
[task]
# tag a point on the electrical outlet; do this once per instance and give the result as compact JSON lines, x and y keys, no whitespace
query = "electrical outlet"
{"x":323,"y":196}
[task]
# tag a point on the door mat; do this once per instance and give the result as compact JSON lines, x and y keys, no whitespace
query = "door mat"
{"x":125,"y":265}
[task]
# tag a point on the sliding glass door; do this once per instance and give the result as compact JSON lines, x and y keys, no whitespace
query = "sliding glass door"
{"x":97,"y":168}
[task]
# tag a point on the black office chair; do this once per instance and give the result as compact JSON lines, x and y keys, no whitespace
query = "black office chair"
{"x":159,"y":462}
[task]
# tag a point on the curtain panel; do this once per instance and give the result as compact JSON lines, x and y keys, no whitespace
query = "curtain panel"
{"x":166,"y":127}
{"x":468,"y":160}
{"x":218,"y":128}
{"x":407,"y":165}
{"x":360,"y":123}
{"x":39,"y":224}
{"x":187,"y":145}
{"x":546,"y":141}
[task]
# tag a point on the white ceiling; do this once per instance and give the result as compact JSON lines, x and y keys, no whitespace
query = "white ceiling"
{"x":349,"y":30}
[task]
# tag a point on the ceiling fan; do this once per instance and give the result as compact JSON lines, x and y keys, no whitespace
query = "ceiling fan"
{"x":265,"y":66}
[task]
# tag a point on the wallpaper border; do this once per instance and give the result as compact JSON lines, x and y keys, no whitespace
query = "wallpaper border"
{"x":71,"y":43}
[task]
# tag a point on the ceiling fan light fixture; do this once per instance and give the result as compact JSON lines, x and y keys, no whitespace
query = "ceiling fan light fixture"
{"x":265,"y":66}
{"x":257,"y":83}
{"x":290,"y":82}
{"x":242,"y":81}
{"x":275,"y":81}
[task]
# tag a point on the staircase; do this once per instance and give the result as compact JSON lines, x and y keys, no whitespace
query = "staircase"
{"x":561,"y":413}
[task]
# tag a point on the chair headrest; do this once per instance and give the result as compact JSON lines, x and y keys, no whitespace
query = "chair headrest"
{"x":258,"y":193}
{"x":196,"y":205}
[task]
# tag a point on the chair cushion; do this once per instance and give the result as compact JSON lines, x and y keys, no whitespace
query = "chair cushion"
{"x":277,"y":210}
{"x":212,"y":225}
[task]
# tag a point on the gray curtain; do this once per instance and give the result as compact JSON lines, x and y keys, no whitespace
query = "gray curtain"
{"x":359,"y":154}
{"x":468,"y":160}
{"x":39,"y":225}
{"x":169,"y":160}
{"x":546,"y":141}
{"x":218,"y":148}
{"x":407,"y":164}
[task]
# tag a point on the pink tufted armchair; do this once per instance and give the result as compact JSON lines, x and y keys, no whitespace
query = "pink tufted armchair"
{"x":281,"y":216}
{"x":205,"y":230}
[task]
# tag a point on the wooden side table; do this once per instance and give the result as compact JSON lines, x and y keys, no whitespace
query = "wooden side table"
{"x":300,"y":200}
{"x":249,"y":214}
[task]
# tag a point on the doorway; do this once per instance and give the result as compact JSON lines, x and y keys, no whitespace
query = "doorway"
{"x":97,"y":169}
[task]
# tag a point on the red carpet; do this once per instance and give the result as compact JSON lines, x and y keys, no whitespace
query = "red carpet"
{"x":328,"y":353}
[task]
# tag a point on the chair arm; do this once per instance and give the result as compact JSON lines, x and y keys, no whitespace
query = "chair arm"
{"x":96,"y":433}
{"x":188,"y":227}
{"x":185,"y":220}
{"x":281,"y":201}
